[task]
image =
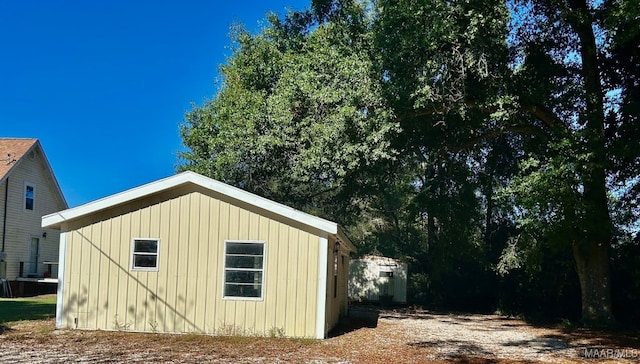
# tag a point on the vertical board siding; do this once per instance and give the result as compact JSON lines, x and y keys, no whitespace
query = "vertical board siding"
{"x":280,"y":294}
{"x":191,"y":267}
{"x":302,"y":321}
{"x":134,"y":280}
{"x":336,"y":306}
{"x":114,"y":270}
{"x":213,"y":284}
{"x":124,"y":275}
{"x":85,"y":276}
{"x":202,"y":244}
{"x":152,"y":279}
{"x":103,"y":294}
{"x":274,"y":259}
{"x":291,"y":285}
{"x":159,"y":295}
{"x":186,"y":293}
{"x":173,"y":244}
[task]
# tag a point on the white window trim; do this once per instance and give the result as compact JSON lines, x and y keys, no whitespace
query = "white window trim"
{"x":24,"y":196}
{"x":264,"y":264}
{"x":144,"y":269}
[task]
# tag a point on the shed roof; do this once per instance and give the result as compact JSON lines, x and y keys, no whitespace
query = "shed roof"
{"x":382,"y":260}
{"x":56,"y":219}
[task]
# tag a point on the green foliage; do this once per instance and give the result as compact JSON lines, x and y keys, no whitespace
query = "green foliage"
{"x":291,"y":116}
{"x":482,"y":142}
{"x":120,"y":325}
{"x":275,"y":332}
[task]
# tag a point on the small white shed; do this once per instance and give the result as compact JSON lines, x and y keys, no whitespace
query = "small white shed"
{"x":376,"y":278}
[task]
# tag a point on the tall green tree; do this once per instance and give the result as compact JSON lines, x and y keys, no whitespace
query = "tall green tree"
{"x":342,"y":107}
{"x":532,"y":68}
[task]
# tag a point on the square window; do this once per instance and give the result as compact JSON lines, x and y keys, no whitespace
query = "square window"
{"x":243,"y":269}
{"x":144,"y":254}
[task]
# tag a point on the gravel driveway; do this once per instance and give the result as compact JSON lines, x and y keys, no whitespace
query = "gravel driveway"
{"x":402,"y":336}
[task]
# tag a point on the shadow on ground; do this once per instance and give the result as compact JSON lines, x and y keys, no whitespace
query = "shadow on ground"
{"x":537,"y":338}
{"x":359,"y":317}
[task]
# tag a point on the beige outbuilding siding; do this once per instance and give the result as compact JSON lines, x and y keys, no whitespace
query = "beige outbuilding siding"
{"x":337,"y":274}
{"x":185,"y":294}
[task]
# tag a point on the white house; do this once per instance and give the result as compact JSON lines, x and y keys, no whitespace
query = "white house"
{"x":28,"y":190}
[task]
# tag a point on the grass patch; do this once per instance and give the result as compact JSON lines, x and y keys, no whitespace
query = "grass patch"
{"x":19,"y":309}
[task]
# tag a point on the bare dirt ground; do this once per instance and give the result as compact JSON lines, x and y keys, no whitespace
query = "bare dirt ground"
{"x":398,"y":336}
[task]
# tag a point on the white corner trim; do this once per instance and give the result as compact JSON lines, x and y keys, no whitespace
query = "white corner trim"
{"x":322,"y":286}
{"x":61,"y":271}
{"x":55,"y":219}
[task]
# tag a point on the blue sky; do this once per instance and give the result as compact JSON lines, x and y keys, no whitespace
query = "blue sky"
{"x":105,"y":84}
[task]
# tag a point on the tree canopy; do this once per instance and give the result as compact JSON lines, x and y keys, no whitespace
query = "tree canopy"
{"x":485,"y":139}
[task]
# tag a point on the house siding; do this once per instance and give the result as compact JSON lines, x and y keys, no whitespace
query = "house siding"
{"x":23,"y":224}
{"x":185,"y":294}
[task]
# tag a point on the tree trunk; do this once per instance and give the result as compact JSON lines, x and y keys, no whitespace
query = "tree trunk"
{"x":592,"y":252}
{"x":592,"y":263}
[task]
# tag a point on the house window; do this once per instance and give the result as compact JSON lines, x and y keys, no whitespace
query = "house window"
{"x":29,"y":196}
{"x":144,"y":255}
{"x":243,"y":269}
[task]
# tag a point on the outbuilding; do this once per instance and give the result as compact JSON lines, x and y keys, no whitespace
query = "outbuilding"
{"x":374,"y":278}
{"x":191,"y":254}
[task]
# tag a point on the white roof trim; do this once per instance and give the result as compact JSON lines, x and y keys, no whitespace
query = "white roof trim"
{"x":55,"y":219}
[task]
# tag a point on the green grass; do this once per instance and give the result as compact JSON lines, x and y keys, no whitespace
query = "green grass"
{"x":19,"y":309}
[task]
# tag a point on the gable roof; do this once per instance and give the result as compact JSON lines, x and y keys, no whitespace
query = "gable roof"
{"x":56,"y":219}
{"x":14,"y":150}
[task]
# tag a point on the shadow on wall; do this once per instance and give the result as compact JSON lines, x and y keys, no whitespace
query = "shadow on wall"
{"x":377,"y":279}
{"x":362,"y":282}
{"x":121,"y":322}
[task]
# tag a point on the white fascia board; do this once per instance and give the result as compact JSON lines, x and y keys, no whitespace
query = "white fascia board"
{"x":55,"y":219}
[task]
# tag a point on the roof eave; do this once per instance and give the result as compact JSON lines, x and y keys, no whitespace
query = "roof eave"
{"x":342,"y":236}
{"x":56,"y":219}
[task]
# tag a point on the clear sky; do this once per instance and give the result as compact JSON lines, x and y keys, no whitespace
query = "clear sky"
{"x":104,"y":84}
